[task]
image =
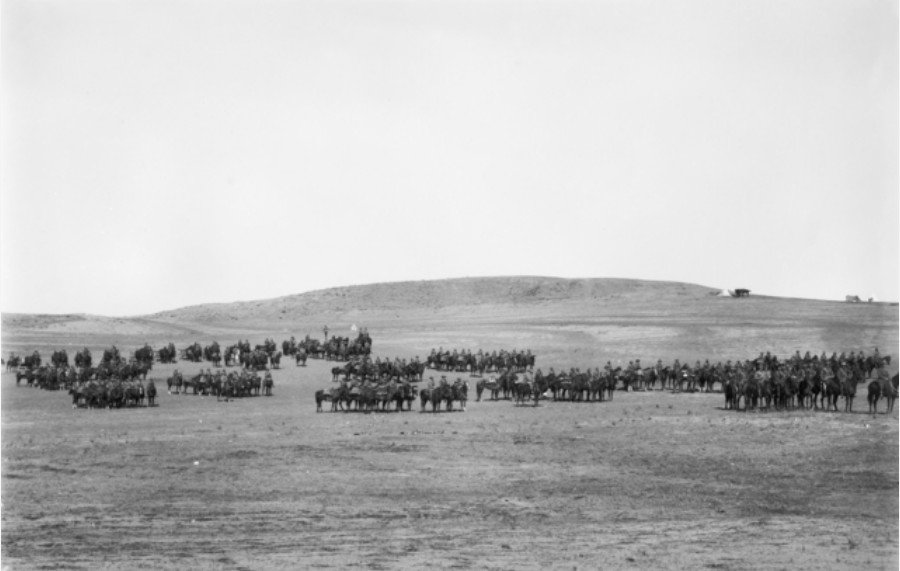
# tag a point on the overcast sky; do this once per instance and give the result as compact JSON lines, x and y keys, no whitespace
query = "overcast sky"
{"x":157,"y":154}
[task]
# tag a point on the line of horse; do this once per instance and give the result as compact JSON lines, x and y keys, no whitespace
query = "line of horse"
{"x":336,"y":348}
{"x":64,"y":378}
{"x":394,"y":395}
{"x":230,"y":385}
{"x":480,"y":362}
{"x":368,"y":396}
{"x":259,"y":357}
{"x":811,"y":387}
{"x":588,"y":386}
{"x":364,"y":368}
{"x":764,"y":383}
{"x":113,"y":393}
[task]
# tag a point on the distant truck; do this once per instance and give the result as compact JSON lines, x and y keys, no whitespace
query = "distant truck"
{"x":739,"y":292}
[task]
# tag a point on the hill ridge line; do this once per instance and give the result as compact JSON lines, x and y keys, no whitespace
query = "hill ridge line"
{"x":464,"y":291}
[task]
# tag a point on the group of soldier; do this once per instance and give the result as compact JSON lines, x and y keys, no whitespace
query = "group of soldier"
{"x":857,"y":362}
{"x":480,"y":361}
{"x":222,"y":384}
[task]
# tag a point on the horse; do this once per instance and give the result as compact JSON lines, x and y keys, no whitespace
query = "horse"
{"x":507,"y":382}
{"x":151,"y":393}
{"x":491,"y":384}
{"x":27,"y":375}
{"x":832,"y":390}
{"x":195,"y":383}
{"x":134,"y":395}
{"x":731,"y":394}
{"x":751,"y":392}
{"x":78,"y":397}
{"x":434,"y":395}
{"x":686,"y":377}
{"x":115,"y":395}
{"x":176,"y":381}
{"x":410,"y":393}
{"x":874,"y":394}
{"x":537,"y":387}
{"x":13,"y":363}
{"x":366,"y":397}
{"x":889,"y":391}
{"x":522,"y":391}
{"x":804,"y":391}
{"x":322,"y":396}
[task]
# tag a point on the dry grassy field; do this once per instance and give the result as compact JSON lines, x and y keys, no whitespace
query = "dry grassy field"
{"x":650,"y":480}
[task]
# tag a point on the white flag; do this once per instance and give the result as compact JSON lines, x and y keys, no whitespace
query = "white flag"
{"x":353,"y":328}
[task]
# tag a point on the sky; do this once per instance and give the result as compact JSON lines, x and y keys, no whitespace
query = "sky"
{"x":157,"y":153}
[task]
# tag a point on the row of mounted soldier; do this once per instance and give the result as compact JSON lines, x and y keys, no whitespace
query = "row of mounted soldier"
{"x":392,"y":393}
{"x":258,"y":358}
{"x":465,"y":360}
{"x":764,"y":383}
{"x":119,"y":382}
{"x":261,"y":356}
{"x":803,"y":382}
{"x":386,"y":384}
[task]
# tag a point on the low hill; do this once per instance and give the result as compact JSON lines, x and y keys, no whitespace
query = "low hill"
{"x":438,"y":294}
{"x":568,"y":321}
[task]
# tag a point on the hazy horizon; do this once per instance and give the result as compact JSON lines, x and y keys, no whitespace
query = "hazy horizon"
{"x":159,"y":155}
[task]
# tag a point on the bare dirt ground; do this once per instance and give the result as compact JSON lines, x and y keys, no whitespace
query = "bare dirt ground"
{"x":650,"y":480}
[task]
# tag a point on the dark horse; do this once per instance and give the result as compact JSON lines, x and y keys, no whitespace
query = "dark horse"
{"x":322,"y":396}
{"x":176,"y":381}
{"x":151,"y":393}
{"x":434,"y":396}
{"x":491,"y":385}
{"x":883,"y":387}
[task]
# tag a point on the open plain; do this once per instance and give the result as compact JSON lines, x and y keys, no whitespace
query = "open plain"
{"x":655,"y":479}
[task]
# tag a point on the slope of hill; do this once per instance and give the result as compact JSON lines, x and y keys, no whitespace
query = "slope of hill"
{"x":567,"y":321}
{"x":437,"y":294}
